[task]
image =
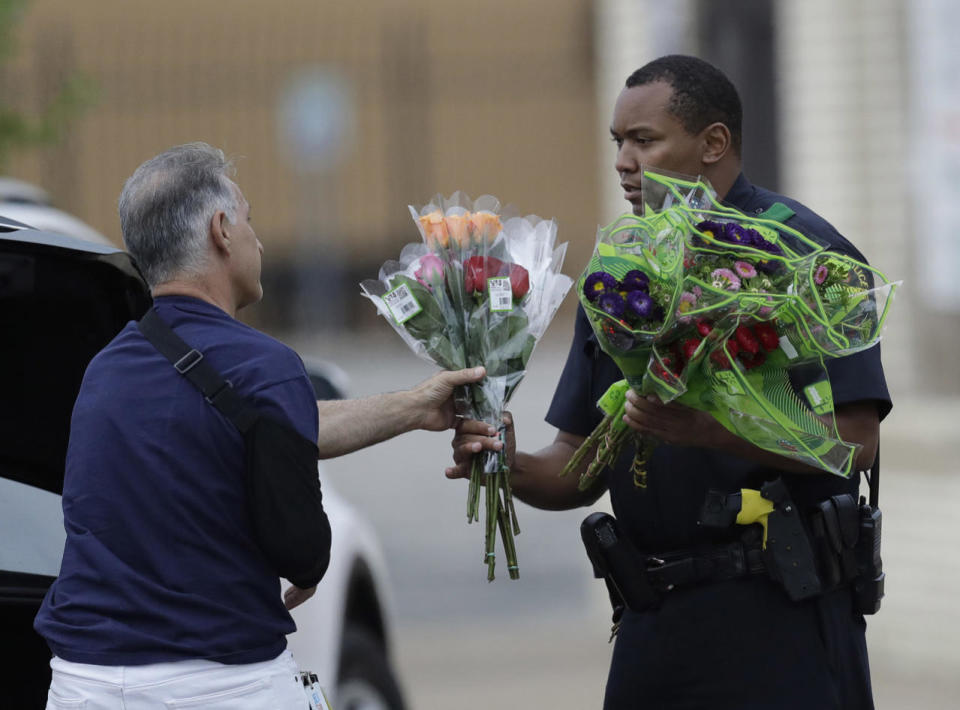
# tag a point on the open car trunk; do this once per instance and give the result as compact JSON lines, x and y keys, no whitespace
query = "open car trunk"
{"x":61,"y":301}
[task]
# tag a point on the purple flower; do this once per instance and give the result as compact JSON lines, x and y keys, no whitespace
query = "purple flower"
{"x":710,"y":227}
{"x":640,"y":303}
{"x":636,"y":280}
{"x":733,"y":233}
{"x":820,"y":275}
{"x":612,"y":303}
{"x":768,"y":246}
{"x":752,"y":238}
{"x":769,"y":267}
{"x":598,"y":283}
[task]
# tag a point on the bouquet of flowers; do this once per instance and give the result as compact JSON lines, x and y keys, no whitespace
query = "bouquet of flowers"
{"x":480,"y":289}
{"x":724,"y":312}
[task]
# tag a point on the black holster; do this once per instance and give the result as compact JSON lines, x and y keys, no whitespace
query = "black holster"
{"x":618,"y":563}
{"x":835,"y":544}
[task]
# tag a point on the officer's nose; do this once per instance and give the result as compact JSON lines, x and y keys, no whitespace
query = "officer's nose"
{"x":625,"y":162}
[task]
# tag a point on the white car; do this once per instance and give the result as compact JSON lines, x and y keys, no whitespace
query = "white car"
{"x":61,"y":300}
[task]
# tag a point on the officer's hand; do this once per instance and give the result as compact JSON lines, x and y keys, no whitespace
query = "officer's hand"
{"x":433,"y":398}
{"x":472,"y":437}
{"x":671,"y":423}
{"x":295,"y":596}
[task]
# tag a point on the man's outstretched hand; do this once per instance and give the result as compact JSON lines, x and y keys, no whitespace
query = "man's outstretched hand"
{"x":433,"y":398}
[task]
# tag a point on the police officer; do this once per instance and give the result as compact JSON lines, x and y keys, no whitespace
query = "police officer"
{"x":726,"y":643}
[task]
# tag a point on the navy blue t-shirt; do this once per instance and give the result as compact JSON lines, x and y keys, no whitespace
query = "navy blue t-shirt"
{"x":160,"y":562}
{"x":685,"y":636}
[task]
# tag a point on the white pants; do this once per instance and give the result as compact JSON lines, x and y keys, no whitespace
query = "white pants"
{"x":195,"y":684}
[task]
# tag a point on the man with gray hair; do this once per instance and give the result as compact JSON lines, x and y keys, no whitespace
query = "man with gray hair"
{"x":166,"y":596}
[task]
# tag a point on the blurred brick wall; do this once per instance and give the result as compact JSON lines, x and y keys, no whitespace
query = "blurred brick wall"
{"x":494,"y":97}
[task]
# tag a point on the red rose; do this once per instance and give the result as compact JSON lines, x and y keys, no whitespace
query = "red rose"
{"x":477,"y":269}
{"x":732,"y":348}
{"x":495,"y":267}
{"x":474,"y":274}
{"x":690,"y":346}
{"x":519,"y":281}
{"x":747,"y":340}
{"x":720,"y":358}
{"x":767,"y":335}
{"x":670,"y":365}
{"x":753,"y":360}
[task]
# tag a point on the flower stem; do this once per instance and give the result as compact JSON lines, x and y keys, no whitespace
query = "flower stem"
{"x":508,"y":496}
{"x":493,"y":500}
{"x":639,"y":466}
{"x":608,"y":451}
{"x":473,"y":493}
{"x":591,"y":441}
{"x":508,"y":543}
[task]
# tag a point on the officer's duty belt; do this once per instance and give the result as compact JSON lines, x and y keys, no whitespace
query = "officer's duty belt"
{"x":713,"y":563}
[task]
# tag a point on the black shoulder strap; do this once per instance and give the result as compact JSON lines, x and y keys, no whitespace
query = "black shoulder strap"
{"x":190,"y":363}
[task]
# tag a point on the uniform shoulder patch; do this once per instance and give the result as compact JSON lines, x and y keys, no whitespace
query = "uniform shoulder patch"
{"x":778,"y":212}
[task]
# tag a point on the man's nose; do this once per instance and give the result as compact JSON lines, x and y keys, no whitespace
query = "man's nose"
{"x":625,"y":162}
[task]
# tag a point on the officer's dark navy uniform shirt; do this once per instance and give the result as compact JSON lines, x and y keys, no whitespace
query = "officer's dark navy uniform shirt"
{"x":740,"y":644}
{"x":160,"y":563}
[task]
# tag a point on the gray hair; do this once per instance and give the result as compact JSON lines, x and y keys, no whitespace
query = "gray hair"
{"x":166,"y":206}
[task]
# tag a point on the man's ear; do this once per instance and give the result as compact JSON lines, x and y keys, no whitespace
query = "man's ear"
{"x":717,"y":142}
{"x":220,"y":232}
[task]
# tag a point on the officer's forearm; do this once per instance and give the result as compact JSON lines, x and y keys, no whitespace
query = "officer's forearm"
{"x":536,"y":480}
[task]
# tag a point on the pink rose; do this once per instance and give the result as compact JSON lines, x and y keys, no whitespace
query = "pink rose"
{"x":430,"y":271}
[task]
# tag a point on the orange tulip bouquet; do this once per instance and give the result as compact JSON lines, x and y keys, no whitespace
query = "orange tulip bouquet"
{"x":480,"y":289}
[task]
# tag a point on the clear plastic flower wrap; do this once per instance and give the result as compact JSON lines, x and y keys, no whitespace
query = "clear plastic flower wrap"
{"x":480,"y":289}
{"x":729,"y":313}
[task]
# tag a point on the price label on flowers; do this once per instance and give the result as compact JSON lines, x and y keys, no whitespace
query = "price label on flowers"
{"x":478,"y":290}
{"x":402,"y":304}
{"x":501,"y":295}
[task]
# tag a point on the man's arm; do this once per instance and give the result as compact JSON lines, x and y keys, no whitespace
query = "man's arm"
{"x":352,"y":424}
{"x":534,"y":477}
{"x":857,"y":422}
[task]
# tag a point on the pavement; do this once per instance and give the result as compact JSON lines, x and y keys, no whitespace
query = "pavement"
{"x":541,"y":641}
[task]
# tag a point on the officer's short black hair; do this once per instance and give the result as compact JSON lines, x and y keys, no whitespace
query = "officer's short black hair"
{"x":702,"y":94}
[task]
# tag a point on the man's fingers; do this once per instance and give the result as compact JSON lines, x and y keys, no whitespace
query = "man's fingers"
{"x":463,"y":377}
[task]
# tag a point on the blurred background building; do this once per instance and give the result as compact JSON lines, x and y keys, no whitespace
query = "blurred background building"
{"x":345,"y":113}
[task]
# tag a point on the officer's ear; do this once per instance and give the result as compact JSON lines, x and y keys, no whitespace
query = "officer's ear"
{"x":219,"y":232}
{"x":716,"y":143}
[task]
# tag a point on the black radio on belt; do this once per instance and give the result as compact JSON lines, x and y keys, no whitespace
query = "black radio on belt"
{"x":868,"y":586}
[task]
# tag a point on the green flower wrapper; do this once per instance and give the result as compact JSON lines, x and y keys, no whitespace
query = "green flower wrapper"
{"x":737,"y":305}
